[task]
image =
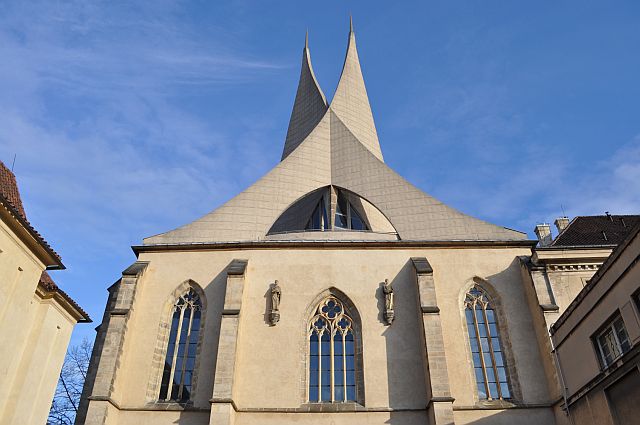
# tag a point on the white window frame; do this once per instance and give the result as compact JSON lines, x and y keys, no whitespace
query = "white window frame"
{"x":610,"y":327}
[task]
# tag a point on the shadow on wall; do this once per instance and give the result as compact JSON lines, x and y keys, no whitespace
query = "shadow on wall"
{"x":199,"y":413}
{"x":407,"y":376}
{"x":208,"y":351}
{"x":533,"y":416}
{"x":405,"y":365}
{"x":516,"y":326}
{"x":193,"y":418}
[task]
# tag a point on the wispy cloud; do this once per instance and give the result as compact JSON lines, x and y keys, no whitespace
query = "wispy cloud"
{"x":97,"y":105}
{"x":512,"y":133}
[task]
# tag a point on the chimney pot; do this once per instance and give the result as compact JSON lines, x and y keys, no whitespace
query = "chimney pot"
{"x":543,"y":232}
{"x":561,"y":223}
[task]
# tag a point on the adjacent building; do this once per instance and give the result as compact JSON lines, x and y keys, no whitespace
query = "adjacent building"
{"x":330,"y":291}
{"x":597,"y":342}
{"x":36,"y":317}
{"x":559,"y":268}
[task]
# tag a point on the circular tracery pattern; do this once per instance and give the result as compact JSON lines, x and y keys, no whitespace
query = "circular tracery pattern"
{"x":331,"y":354}
{"x":330,"y":317}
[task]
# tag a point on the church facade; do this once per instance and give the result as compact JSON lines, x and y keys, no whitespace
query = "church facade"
{"x":330,"y":291}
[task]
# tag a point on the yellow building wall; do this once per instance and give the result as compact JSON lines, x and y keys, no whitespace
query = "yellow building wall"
{"x":270,"y":372}
{"x":35,"y":334}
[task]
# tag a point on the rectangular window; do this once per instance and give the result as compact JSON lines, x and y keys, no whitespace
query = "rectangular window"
{"x":612,"y":341}
{"x":636,"y":299}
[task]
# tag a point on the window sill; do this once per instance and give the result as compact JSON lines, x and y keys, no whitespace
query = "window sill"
{"x":332,"y":407}
{"x":615,"y":363}
{"x":171,"y":405}
{"x":495,"y":404}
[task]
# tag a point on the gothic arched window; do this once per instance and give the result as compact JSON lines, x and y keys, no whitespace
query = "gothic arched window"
{"x":179,"y":364}
{"x":484,"y":336}
{"x":332,"y":354}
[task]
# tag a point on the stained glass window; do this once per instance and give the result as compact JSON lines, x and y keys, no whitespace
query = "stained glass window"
{"x":486,"y":352}
{"x":177,"y":377}
{"x":332,"y":371}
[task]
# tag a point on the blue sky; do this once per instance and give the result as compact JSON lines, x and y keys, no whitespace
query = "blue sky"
{"x":131,"y":119}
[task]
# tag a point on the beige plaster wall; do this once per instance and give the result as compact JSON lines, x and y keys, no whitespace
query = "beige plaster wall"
{"x":40,"y":364}
{"x":361,"y":418}
{"x":573,"y":339}
{"x":592,"y":410}
{"x":531,"y":416}
{"x":567,"y":284}
{"x":271,"y":360}
{"x":540,"y":322}
{"x":35,"y":334}
{"x":149,"y":417}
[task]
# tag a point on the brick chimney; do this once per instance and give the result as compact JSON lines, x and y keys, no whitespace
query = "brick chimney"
{"x":561,"y":223}
{"x":543,"y":232}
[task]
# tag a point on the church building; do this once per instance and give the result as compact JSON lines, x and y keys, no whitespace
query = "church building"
{"x":331,"y":291}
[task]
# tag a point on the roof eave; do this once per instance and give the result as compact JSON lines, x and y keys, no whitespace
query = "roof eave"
{"x":28,"y":234}
{"x":66,"y":302}
{"x":270,"y":244}
{"x":594,"y":281}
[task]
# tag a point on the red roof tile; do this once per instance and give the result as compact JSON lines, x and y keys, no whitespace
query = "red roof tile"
{"x":49,"y":285}
{"x":9,"y":189}
{"x":10,"y":198}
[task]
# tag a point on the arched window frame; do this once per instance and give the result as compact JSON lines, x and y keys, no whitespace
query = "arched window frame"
{"x":356,"y":326}
{"x":495,"y":302}
{"x":160,"y":351}
{"x":294,"y":218}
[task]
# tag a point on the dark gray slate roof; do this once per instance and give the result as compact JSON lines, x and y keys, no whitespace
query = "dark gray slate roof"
{"x":605,"y":230}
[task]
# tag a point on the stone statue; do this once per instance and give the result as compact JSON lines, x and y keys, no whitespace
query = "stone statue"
{"x":387,"y":289}
{"x":276,"y":294}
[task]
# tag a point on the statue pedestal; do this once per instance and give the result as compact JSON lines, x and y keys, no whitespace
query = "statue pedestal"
{"x":274,"y":317}
{"x":388,"y":316}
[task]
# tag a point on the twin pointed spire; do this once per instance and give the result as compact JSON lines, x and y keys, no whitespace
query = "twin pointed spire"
{"x":350,"y":102}
{"x":308,"y":108}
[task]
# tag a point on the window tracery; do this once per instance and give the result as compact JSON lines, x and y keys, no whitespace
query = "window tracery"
{"x":332,"y":365}
{"x":484,"y":337}
{"x":179,"y":364}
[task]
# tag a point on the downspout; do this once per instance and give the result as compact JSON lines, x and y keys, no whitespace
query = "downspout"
{"x":564,"y":387}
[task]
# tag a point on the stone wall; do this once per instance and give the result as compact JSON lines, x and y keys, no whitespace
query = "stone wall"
{"x":269,"y":371}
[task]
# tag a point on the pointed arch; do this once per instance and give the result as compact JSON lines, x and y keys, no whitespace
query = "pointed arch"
{"x":485,"y":285}
{"x":324,"y":207}
{"x":487,"y":342}
{"x":332,"y":323}
{"x":176,"y":357}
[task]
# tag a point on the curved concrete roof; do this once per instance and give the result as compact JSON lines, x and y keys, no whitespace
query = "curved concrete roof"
{"x":335,"y":145}
{"x":309,"y":106}
{"x":351,"y":103}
